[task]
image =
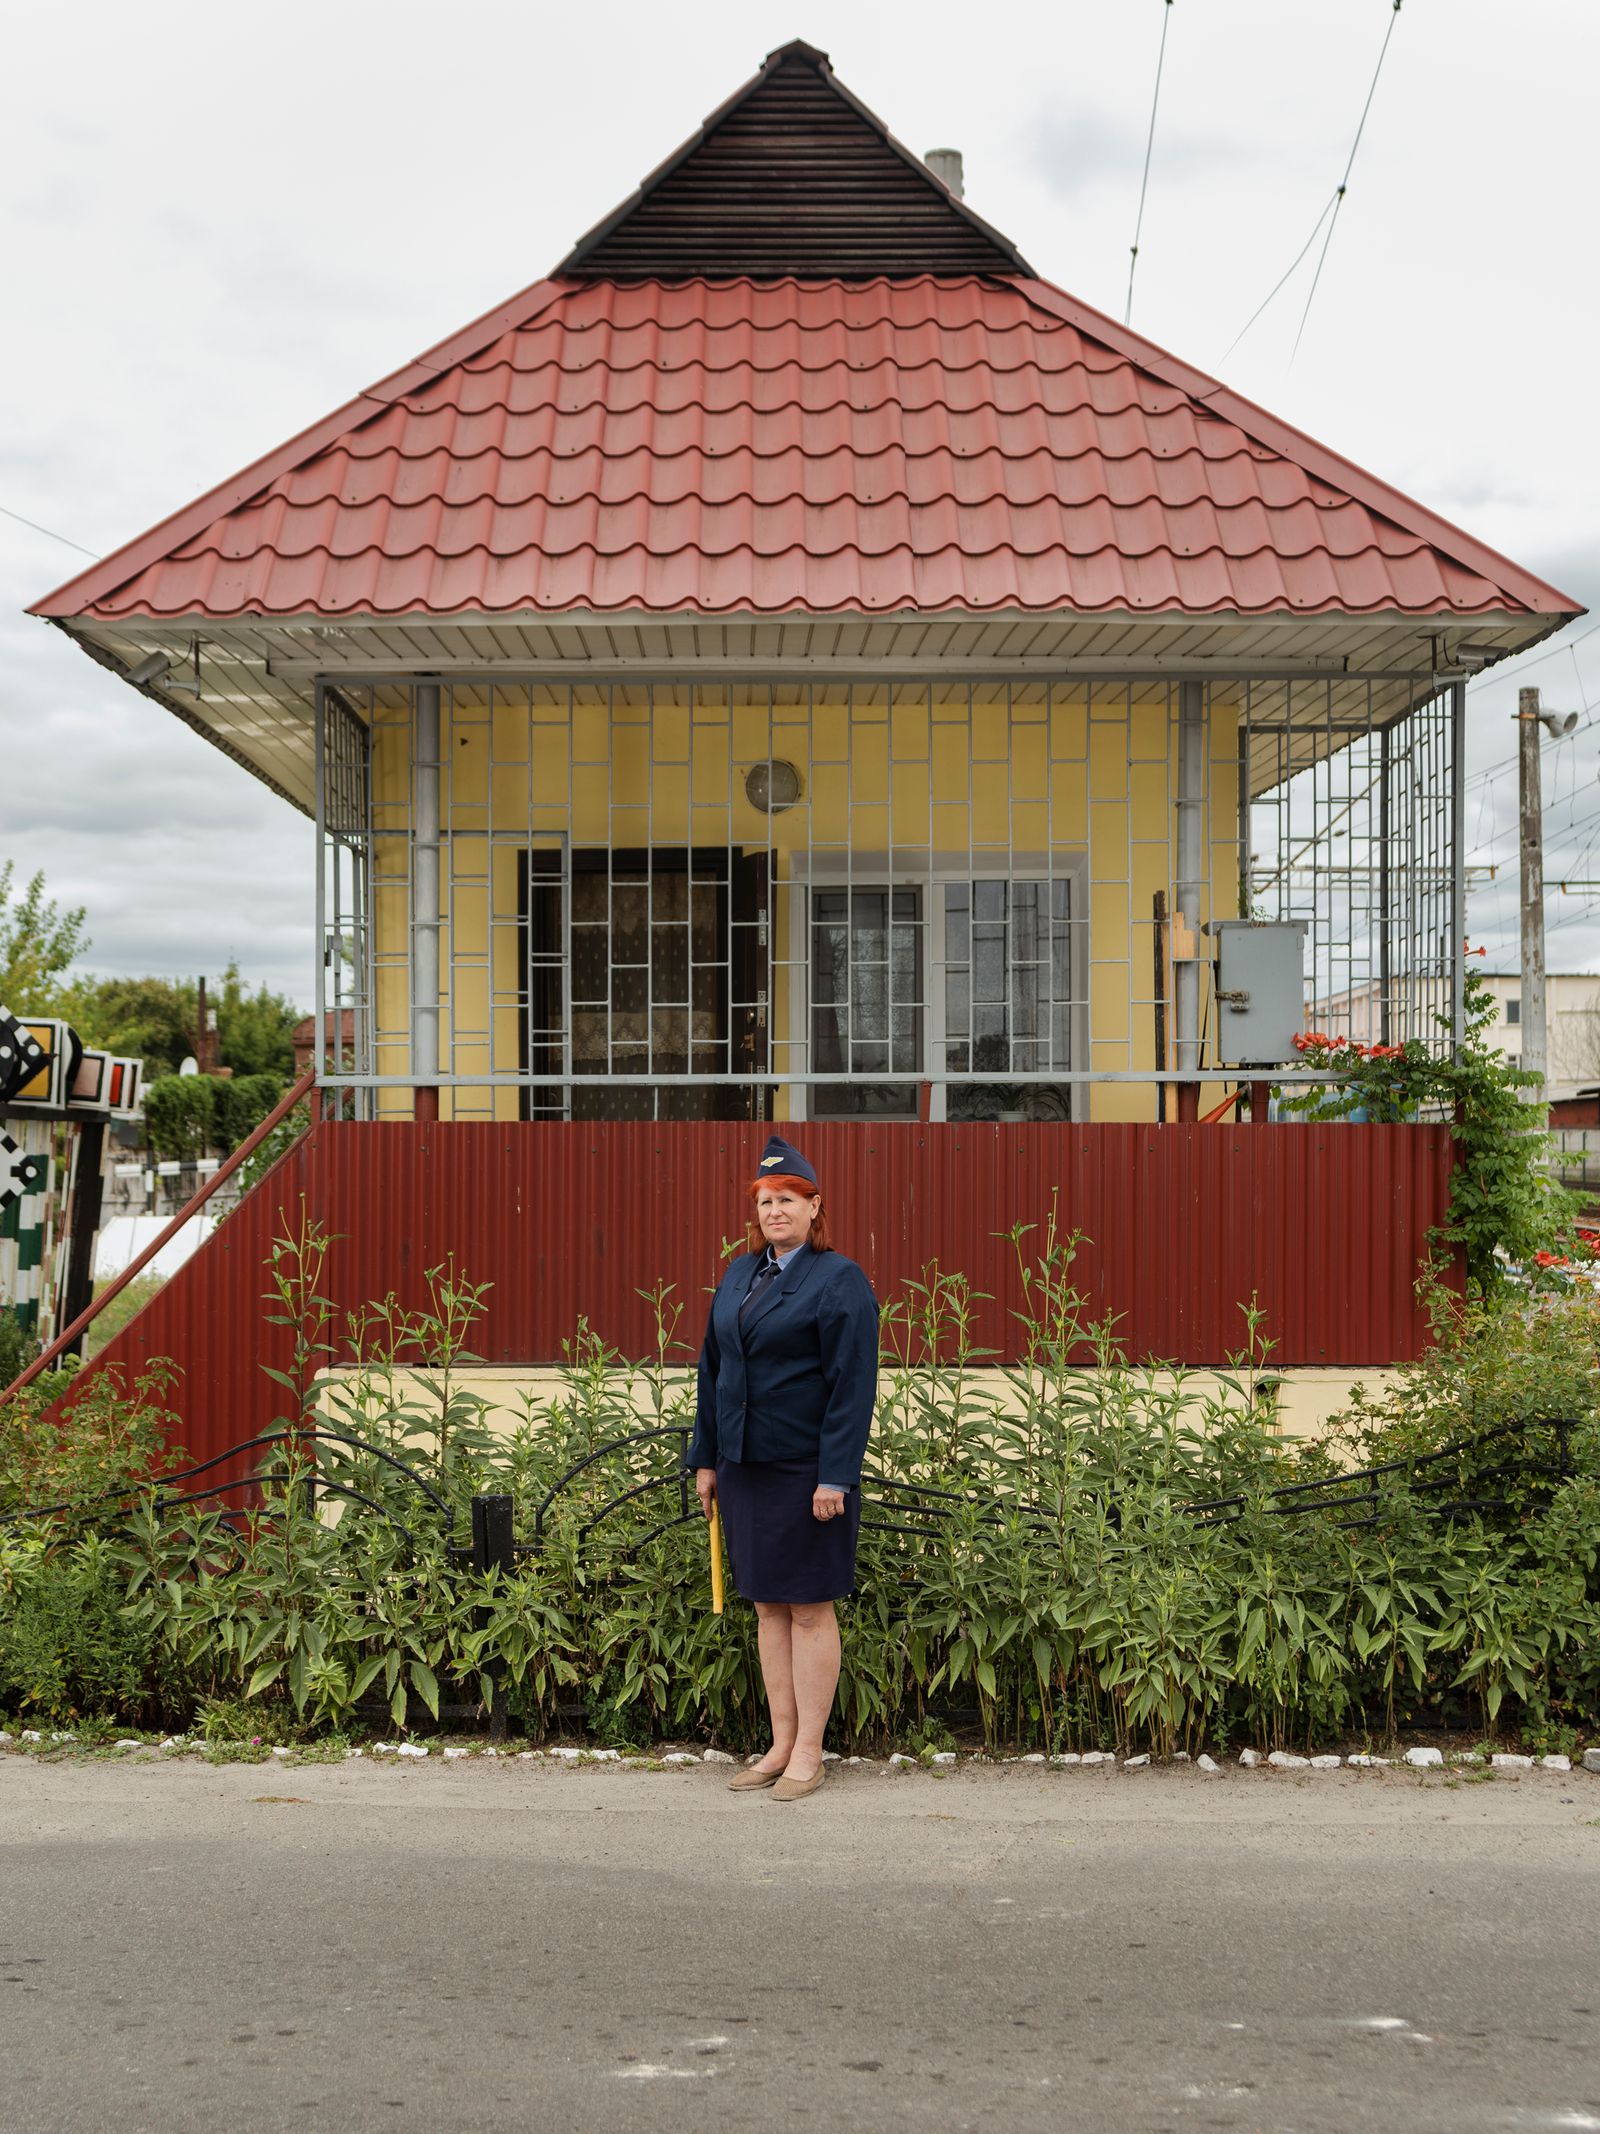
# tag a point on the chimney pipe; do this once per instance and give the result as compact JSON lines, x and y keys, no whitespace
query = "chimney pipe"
{"x":945,"y":163}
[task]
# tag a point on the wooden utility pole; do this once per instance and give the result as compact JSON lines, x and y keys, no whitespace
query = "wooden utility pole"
{"x":1531,"y":844}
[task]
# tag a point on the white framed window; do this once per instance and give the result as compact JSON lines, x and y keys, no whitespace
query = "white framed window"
{"x":977,"y":977}
{"x":867,"y":1000}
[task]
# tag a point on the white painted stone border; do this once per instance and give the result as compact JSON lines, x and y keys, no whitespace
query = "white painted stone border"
{"x":1419,"y":1757}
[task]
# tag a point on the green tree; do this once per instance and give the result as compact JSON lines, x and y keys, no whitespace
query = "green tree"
{"x":152,"y":1019}
{"x":158,"y":1020}
{"x":38,"y":942}
{"x":256,"y":1030}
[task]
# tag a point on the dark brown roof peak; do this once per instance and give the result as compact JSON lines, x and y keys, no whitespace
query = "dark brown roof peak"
{"x":797,"y":48}
{"x":792,"y":176}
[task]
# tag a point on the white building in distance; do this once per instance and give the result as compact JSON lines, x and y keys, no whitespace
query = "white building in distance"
{"x":1572,"y":1019}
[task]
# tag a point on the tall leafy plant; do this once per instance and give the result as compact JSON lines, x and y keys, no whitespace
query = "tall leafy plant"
{"x":1039,"y":1561}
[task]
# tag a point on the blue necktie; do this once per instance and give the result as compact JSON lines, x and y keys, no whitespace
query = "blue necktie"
{"x":763,"y":1275}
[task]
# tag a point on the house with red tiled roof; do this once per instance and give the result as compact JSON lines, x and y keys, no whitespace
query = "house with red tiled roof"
{"x":795,"y":663}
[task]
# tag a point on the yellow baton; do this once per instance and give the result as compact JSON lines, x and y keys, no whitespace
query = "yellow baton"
{"x":716,"y":1558}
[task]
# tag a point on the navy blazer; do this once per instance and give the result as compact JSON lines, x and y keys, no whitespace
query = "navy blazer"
{"x":796,"y":1380}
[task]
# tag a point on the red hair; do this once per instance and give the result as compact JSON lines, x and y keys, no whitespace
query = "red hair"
{"x":819,"y":1237}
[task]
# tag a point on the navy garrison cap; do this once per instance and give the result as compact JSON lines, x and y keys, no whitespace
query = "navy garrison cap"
{"x":780,"y":1159}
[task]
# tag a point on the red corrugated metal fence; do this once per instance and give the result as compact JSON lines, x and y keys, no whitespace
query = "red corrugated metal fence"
{"x":1182,"y":1225}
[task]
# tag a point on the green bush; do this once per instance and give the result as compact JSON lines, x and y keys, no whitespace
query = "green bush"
{"x":240,"y":1105}
{"x":1073,"y":1597}
{"x":186,"y":1114}
{"x":277,"y":1144}
{"x":110,"y":1435}
{"x":179,"y":1115}
{"x":18,"y":1347}
{"x":71,"y":1647}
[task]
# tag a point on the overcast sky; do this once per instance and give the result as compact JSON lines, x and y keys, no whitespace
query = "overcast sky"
{"x":219,"y":222}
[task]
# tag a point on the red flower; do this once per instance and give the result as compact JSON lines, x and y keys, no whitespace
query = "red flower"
{"x":1550,"y":1259}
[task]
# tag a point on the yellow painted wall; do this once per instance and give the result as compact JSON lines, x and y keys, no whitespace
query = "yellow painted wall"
{"x":963,"y":777}
{"x":1303,"y":1401}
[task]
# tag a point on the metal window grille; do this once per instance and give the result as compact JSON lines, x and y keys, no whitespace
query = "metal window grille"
{"x":1350,"y":828}
{"x":688,"y":900}
{"x":343,"y":1039}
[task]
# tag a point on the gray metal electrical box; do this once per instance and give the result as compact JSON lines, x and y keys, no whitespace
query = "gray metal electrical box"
{"x":1260,"y":990}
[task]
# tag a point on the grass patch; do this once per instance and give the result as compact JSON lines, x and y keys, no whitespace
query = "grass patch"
{"x":123,"y":1307}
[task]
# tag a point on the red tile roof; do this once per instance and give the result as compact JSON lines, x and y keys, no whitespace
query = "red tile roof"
{"x":739,"y":446}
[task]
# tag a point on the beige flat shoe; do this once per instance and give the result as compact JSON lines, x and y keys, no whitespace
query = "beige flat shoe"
{"x":796,"y":1789}
{"x":753,"y":1781}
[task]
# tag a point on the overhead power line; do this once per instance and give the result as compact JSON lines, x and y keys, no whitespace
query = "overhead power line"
{"x":1344,"y":182}
{"x":1532,"y":658}
{"x":1278,"y":284}
{"x":1572,"y":918}
{"x":1150,"y":142}
{"x":1329,"y":214}
{"x":48,"y":532}
{"x":1503,"y":765}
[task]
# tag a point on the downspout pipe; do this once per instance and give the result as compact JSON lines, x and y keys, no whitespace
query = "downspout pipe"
{"x":1386,"y":893}
{"x":425,"y":911}
{"x":1191,"y":845}
{"x":1458,"y":867}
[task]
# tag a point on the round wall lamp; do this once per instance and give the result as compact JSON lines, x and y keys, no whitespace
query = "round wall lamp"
{"x":772,"y":787}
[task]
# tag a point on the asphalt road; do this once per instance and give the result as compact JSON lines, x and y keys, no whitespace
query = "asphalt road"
{"x":349,"y":1948}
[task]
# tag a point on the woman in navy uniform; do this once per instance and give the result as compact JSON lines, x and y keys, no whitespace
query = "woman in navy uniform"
{"x":788,"y":1377}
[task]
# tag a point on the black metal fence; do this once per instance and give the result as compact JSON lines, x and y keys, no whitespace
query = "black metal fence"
{"x":1506,"y":1470}
{"x":1356,"y":1497}
{"x":1426,"y":1477}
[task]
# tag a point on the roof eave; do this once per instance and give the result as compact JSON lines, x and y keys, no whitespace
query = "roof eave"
{"x":80,"y":593}
{"x":1283,"y":438}
{"x":85,"y":639}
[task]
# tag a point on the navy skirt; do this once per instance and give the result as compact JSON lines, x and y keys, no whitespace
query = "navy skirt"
{"x":778,"y":1549}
